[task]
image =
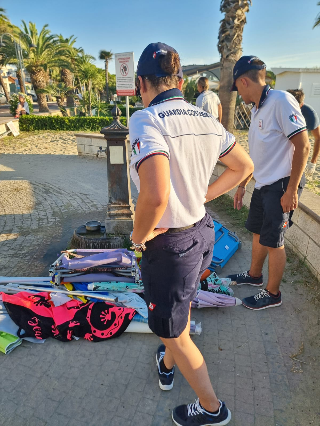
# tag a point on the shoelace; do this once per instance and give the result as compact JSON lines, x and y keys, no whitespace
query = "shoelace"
{"x":244,"y":274}
{"x":195,"y":408}
{"x":160,"y":359}
{"x":261,"y":295}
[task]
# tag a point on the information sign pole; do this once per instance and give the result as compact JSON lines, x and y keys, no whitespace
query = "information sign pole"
{"x":125,"y":78}
{"x":127,"y":110}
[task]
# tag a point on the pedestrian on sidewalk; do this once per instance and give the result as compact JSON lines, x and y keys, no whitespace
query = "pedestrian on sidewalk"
{"x":175,"y":147}
{"x":313,"y":126}
{"x":279,"y":148}
{"x":22,"y":107}
{"x":208,"y":100}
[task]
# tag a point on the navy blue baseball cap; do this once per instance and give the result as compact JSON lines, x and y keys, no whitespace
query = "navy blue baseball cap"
{"x":244,"y":64}
{"x":149,"y":63}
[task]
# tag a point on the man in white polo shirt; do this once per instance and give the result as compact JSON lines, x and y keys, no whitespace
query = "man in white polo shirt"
{"x":279,"y":148}
{"x":208,"y":100}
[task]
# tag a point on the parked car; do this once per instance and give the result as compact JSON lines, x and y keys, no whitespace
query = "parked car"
{"x":33,"y":96}
{"x":3,"y":99}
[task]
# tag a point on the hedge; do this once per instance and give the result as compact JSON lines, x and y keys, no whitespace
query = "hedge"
{"x":28,"y":123}
{"x":108,"y":109}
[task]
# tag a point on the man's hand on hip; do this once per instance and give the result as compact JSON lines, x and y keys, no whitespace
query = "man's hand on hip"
{"x":289,"y":200}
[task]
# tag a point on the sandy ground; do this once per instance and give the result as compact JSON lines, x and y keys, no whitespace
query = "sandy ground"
{"x":54,"y":143}
{"x":64,"y":143}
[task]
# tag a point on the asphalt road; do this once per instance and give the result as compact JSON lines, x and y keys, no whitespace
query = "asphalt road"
{"x":5,"y":108}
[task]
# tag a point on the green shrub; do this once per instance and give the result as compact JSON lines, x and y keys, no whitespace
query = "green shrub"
{"x":107,"y":110}
{"x":28,"y":123}
{"x":14,"y":100}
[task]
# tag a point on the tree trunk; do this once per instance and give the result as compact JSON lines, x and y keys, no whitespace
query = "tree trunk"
{"x":19,"y":77}
{"x":39,"y":80}
{"x":67,"y":78}
{"x":230,"y":49}
{"x":3,"y":85}
{"x":227,"y":98}
{"x":89,"y":90}
{"x":107,"y":79}
{"x":60,"y":103}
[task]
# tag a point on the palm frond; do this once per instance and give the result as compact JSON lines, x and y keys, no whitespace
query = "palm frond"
{"x":317,"y":21}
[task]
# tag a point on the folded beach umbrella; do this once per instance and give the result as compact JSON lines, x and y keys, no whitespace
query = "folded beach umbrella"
{"x":119,"y":258}
{"x":206,"y":299}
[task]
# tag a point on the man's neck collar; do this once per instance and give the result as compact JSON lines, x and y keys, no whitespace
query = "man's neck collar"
{"x":263,"y":97}
{"x":165,"y":96}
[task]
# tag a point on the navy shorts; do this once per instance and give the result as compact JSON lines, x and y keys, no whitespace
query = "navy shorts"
{"x":266,"y":216}
{"x":171,"y":268}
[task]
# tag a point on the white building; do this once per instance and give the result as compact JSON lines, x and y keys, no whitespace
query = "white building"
{"x":9,"y":75}
{"x":307,"y":79}
{"x":212,"y":72}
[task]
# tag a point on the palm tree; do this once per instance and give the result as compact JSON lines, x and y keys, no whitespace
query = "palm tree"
{"x":87,"y":74}
{"x":3,"y":63}
{"x":43,"y":51}
{"x":5,"y":24}
{"x":80,"y":60}
{"x":317,"y":18}
{"x":67,"y":74}
{"x":106,"y":56}
{"x":60,"y":92}
{"x":9,"y":53}
{"x":230,"y":49}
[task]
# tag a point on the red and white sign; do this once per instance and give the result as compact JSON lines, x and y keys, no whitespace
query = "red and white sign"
{"x":125,"y":79}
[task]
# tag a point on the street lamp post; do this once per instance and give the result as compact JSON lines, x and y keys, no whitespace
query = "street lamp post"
{"x":18,"y":50}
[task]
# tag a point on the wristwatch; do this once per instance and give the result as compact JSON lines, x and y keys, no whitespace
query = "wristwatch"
{"x":137,"y":247}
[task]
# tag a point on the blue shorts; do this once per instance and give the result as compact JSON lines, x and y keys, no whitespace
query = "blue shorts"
{"x":266,"y":216}
{"x":171,"y":268}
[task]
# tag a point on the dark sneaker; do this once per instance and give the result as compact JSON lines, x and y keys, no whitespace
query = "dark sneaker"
{"x":262,"y":300}
{"x":245,"y":278}
{"x":165,"y":379}
{"x":195,"y":415}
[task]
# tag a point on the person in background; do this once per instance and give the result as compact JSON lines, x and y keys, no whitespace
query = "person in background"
{"x":208,"y":100}
{"x":170,"y":140}
{"x":23,"y":107}
{"x":313,"y":126}
{"x":279,"y":148}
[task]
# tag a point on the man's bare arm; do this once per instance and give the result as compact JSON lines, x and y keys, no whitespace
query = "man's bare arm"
{"x":239,"y":166}
{"x":220,"y":112}
{"x":316,"y":146}
{"x":289,"y":200}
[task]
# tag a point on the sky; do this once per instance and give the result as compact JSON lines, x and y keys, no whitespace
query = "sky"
{"x":278,"y":31}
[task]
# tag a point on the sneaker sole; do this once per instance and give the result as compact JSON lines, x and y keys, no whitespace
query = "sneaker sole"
{"x":161,"y":386}
{"x":223,"y":423}
{"x":264,"y":307}
{"x":165,"y":387}
{"x":253,"y":285}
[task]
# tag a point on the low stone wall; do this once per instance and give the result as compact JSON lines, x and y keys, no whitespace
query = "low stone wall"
{"x":304,"y":236}
{"x":89,"y":143}
{"x":3,"y":126}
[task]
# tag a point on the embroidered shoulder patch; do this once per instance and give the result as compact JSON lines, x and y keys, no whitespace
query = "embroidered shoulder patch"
{"x":136,"y":145}
{"x":293,"y":118}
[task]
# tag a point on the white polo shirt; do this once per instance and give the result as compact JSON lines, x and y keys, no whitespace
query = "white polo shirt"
{"x":209,"y":101}
{"x":273,"y":124}
{"x":191,"y":139}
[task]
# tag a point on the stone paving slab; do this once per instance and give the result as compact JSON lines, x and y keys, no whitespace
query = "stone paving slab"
{"x":249,"y":354}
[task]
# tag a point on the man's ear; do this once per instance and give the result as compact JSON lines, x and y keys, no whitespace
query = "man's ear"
{"x":244,"y":81}
{"x":180,"y":83}
{"x":143,"y":87}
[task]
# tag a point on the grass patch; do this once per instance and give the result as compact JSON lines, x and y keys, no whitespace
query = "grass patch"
{"x":224,"y":205}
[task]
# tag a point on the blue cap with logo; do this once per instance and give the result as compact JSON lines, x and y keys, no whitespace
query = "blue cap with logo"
{"x":244,"y":64}
{"x":149,"y":63}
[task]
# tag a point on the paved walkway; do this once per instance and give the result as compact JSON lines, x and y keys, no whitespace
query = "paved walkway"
{"x":265,"y":365}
